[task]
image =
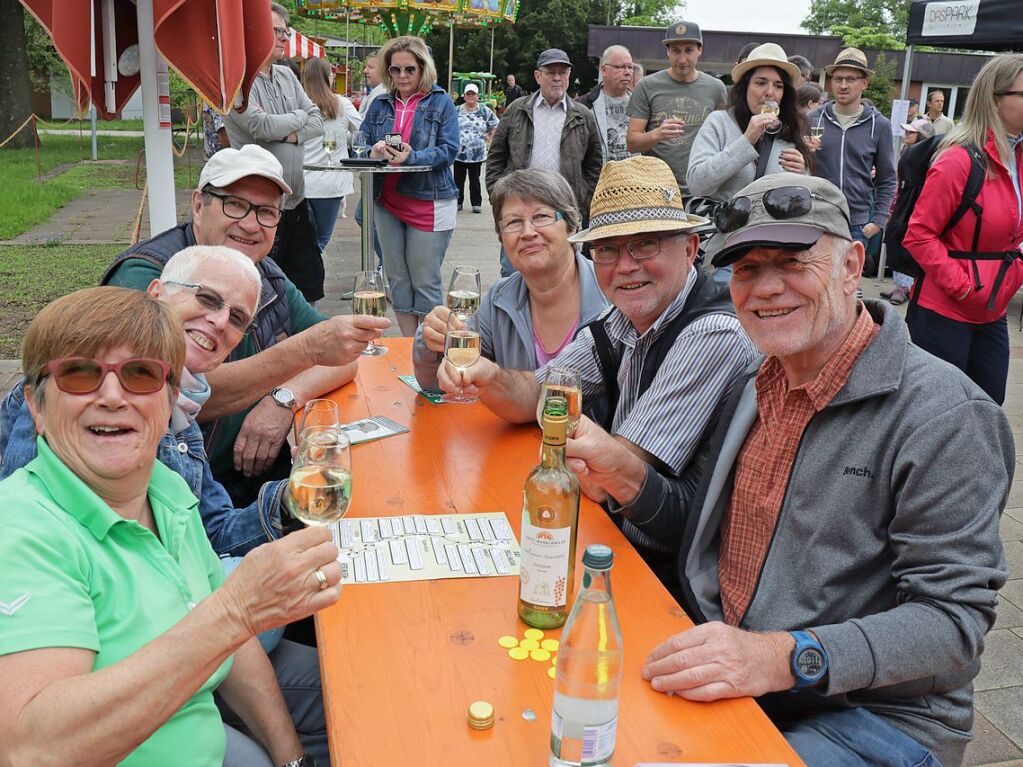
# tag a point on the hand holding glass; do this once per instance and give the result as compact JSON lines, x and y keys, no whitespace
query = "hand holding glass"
{"x":320,"y":485}
{"x":370,"y":297}
{"x":462,"y":351}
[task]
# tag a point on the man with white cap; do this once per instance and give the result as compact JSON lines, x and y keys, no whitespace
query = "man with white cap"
{"x":842,"y":556}
{"x":293,"y":353}
{"x":856,"y":152}
{"x":668,"y":107}
{"x":653,"y":369}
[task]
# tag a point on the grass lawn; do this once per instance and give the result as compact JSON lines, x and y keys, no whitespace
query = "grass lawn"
{"x":33,"y":275}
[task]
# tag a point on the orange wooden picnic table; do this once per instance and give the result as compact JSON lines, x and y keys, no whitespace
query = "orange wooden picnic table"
{"x":401,"y":662}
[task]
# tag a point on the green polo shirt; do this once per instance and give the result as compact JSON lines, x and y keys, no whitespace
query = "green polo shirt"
{"x":77,"y":574}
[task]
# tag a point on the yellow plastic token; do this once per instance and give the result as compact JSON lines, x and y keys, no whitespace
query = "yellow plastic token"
{"x":517,"y":653}
{"x":529,"y":645}
{"x":533,"y":634}
{"x":554,"y":660}
{"x":552,"y":672}
{"x":508,"y":642}
{"x":549,"y":644}
{"x":540,"y":654}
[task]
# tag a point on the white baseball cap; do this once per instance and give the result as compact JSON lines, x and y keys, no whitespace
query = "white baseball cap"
{"x":471,"y":87}
{"x":230,"y":165}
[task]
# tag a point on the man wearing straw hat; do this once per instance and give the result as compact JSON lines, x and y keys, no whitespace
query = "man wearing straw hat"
{"x":654,"y":368}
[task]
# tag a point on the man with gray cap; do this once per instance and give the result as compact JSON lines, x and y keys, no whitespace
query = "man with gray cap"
{"x":842,"y":558}
{"x":549,"y":131}
{"x":292,"y":353}
{"x":668,"y":107}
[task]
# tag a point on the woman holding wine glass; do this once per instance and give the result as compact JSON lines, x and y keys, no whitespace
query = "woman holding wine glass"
{"x":327,"y":189}
{"x":762,"y":132}
{"x":525,"y":319}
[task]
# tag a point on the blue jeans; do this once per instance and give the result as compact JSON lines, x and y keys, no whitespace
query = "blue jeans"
{"x":979,"y":350}
{"x":325,"y":210}
{"x":412,"y":260}
{"x":855,"y":737}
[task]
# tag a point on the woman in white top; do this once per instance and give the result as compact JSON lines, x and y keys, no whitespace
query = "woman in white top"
{"x":326,"y":189}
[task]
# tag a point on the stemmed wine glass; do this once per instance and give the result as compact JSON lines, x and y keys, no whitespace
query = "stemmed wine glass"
{"x":318,"y":413}
{"x":370,"y":297}
{"x":360,"y":144}
{"x":565,"y":382}
{"x":330,"y":145}
{"x":770,"y":107}
{"x":461,"y":350}
{"x":320,"y":485}
{"x":464,"y":291}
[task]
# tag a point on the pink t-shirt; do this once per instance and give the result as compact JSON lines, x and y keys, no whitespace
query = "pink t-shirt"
{"x":542,"y":356}
{"x":427,"y":215}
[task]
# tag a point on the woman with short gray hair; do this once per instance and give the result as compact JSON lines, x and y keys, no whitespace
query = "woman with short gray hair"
{"x":525,"y":319}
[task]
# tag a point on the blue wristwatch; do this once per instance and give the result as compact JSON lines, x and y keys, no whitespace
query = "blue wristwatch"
{"x":809,"y":660}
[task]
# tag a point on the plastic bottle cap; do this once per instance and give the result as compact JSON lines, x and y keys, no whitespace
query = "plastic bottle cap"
{"x":481,"y":715}
{"x":598,"y":557}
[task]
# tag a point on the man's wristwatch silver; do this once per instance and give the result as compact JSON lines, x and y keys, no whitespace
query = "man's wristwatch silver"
{"x":284,"y":398}
{"x":303,"y":761}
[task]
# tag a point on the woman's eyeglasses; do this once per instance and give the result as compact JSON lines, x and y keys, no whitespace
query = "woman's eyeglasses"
{"x":396,"y":70}
{"x":781,"y":204}
{"x":211,"y":300}
{"x":82,"y":375}
{"x":538,"y":221}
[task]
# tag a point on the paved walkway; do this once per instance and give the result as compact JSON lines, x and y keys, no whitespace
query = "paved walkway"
{"x":107,"y":216}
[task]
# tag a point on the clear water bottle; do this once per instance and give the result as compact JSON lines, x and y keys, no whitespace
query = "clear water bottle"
{"x":589,"y":676}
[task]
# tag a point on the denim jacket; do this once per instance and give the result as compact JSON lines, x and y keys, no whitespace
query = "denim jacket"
{"x":232,"y":532}
{"x":435,"y":142}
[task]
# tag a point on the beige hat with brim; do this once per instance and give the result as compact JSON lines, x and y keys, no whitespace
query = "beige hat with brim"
{"x":633,"y":196}
{"x":850,"y":57}
{"x":766,"y":55}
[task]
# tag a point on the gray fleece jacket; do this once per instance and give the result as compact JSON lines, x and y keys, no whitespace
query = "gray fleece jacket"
{"x":886,"y":546}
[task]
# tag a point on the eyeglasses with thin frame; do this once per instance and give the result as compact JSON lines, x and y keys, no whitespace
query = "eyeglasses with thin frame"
{"x":562,"y":73}
{"x":843,"y":79}
{"x":267,"y":216}
{"x":781,"y":204}
{"x":211,"y":300}
{"x":640,"y":249}
{"x":537,"y":221}
{"x":621,"y":67}
{"x":282,"y":33}
{"x":83,"y":375}
{"x":396,"y":71}
{"x":1010,"y":93}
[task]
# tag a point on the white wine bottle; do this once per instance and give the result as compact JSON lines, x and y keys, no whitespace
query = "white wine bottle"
{"x":550,"y":515}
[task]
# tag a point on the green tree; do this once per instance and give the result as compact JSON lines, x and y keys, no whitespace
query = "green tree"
{"x":15,"y":90}
{"x":880,"y":89}
{"x":861,"y":23}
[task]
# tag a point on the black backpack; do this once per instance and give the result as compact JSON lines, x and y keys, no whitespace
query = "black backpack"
{"x":913,"y":168}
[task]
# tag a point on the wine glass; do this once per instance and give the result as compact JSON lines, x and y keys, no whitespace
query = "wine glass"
{"x":770,"y":107}
{"x":320,"y":485}
{"x":330,"y":145}
{"x":461,"y":350}
{"x":370,"y":297}
{"x":464,"y":291}
{"x":565,"y":382}
{"x":360,"y":144}
{"x":319,"y":413}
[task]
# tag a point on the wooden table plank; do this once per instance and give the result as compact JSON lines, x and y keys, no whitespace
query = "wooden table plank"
{"x":401,"y":662}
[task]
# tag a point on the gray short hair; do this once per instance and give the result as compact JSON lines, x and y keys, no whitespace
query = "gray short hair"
{"x":534,"y":185}
{"x":803,"y":64}
{"x":281,"y":11}
{"x":613,"y":49}
{"x":183,"y":264}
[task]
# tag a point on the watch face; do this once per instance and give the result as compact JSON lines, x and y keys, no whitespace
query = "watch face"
{"x":284,"y":397}
{"x":810,"y":663}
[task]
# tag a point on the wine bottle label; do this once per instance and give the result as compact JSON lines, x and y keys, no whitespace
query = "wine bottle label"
{"x":543,"y":575}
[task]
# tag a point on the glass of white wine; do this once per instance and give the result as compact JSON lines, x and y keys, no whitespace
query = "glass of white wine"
{"x":562,"y":381}
{"x":462,"y":351}
{"x":330,"y":145}
{"x":770,"y":107}
{"x":360,"y":144}
{"x":370,"y":297}
{"x":320,"y":485}
{"x":464,"y":291}
{"x":319,"y":413}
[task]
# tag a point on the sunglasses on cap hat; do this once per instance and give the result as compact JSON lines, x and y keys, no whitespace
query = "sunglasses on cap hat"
{"x":782,"y":204}
{"x":82,"y":375}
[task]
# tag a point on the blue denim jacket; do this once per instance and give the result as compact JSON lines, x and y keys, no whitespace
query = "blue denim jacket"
{"x":232,"y":532}
{"x":434,"y":142}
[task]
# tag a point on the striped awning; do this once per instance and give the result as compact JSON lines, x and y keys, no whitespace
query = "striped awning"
{"x":301,"y":47}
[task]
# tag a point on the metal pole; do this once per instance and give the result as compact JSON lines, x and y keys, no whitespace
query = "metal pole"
{"x":92,"y":120}
{"x":906,"y":73}
{"x":451,"y":55}
{"x":491,"y":70}
{"x":159,"y":159}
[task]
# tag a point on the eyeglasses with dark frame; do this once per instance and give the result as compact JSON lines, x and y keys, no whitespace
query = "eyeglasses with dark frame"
{"x":83,"y":375}
{"x":1010,"y":93}
{"x":537,"y":221}
{"x":781,"y":204}
{"x":267,"y":216}
{"x":282,"y":33}
{"x":843,"y":79}
{"x":409,"y":71}
{"x":211,"y":300}
{"x":640,"y":249}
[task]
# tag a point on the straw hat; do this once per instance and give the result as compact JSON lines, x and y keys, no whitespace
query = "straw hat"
{"x":766,"y":55}
{"x":633,"y":196}
{"x":850,"y":57}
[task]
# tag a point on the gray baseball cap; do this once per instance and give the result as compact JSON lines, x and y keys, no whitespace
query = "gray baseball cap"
{"x":797,"y":211}
{"x":553,"y":56}
{"x":683,"y":31}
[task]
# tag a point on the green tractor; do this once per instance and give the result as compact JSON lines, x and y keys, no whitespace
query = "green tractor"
{"x":483,"y":80}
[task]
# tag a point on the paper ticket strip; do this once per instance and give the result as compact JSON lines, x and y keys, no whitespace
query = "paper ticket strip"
{"x":421,"y":547}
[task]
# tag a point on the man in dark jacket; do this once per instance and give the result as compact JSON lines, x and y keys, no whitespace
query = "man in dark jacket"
{"x":513,"y":91}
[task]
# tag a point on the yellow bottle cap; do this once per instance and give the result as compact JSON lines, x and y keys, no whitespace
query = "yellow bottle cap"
{"x":508,"y":642}
{"x":529,"y":644}
{"x":533,"y":634}
{"x":481,"y":715}
{"x":552,"y":672}
{"x":518,"y":653}
{"x":540,"y":654}
{"x":549,"y":644}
